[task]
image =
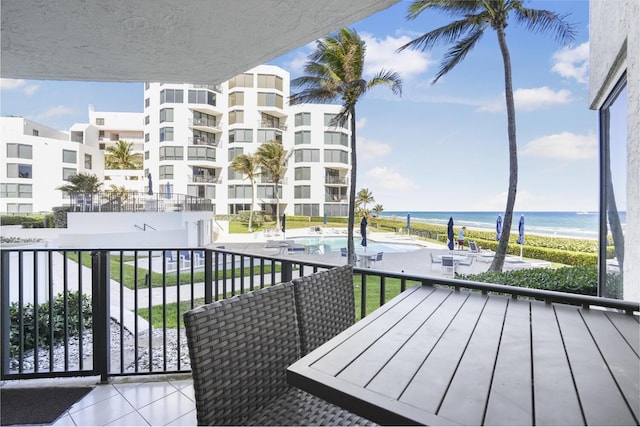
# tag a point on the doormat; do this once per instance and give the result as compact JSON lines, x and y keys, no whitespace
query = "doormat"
{"x":37,"y":405}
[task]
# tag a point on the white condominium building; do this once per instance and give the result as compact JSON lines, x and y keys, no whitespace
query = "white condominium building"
{"x":192,"y":133}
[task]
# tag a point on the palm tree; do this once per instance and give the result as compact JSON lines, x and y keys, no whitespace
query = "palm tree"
{"x":364,"y":197}
{"x":273,"y":158}
{"x":475,"y":17}
{"x":82,"y":183}
{"x":247,"y":164}
{"x":119,"y":193}
{"x":119,"y":156}
{"x":377,"y":210}
{"x":334,"y":71}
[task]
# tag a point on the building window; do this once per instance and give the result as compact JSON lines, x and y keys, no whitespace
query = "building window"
{"x":201,"y":153}
{"x":202,"y":119}
{"x":269,"y":100}
{"x":269,"y":81}
{"x":171,"y":153}
{"x":166,"y":172}
{"x":302,"y":174}
{"x":166,"y":134}
{"x":613,"y":190}
{"x":236,"y":117}
{"x":234,"y":174}
{"x":240,"y":135}
{"x":146,"y":137}
{"x":147,"y":85}
{"x":303,"y":119}
{"x":328,"y":119}
{"x":21,"y":151}
{"x":146,"y":155}
{"x":236,"y":98}
{"x":235,"y":208}
{"x":200,"y":137}
{"x":239,"y":192}
{"x":88,"y":161}
{"x":306,"y":156}
{"x":242,"y":80}
{"x":35,"y":132}
{"x":175,"y":96}
{"x":302,"y":192}
{"x":234,"y":152}
{"x":20,"y":191}
{"x":266,"y":192}
{"x":19,"y":208}
{"x":16,"y":170}
{"x":100,"y":121}
{"x":306,"y":209}
{"x":147,"y":102}
{"x":202,"y":97}
{"x":69,"y":156}
{"x":267,"y":135}
{"x":336,"y":138}
{"x":336,"y":156}
{"x":303,"y":137}
{"x":147,"y":120}
{"x":67,"y":173}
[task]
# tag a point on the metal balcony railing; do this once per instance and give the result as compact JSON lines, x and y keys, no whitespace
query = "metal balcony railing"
{"x":336,"y":180}
{"x":136,"y":201}
{"x":210,"y":142}
{"x":119,"y":312}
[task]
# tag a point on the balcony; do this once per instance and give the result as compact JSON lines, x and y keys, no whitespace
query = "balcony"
{"x":199,"y":140}
{"x":336,"y":180}
{"x":269,"y":124}
{"x":204,"y":125}
{"x":336,"y":198}
{"x":205,"y":179}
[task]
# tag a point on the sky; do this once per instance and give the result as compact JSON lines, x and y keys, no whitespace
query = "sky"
{"x":438,"y":147}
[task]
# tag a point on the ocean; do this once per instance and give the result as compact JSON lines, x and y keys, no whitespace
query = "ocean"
{"x":578,"y":225}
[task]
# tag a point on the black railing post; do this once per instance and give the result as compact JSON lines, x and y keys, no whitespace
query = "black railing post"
{"x":5,"y":319}
{"x":100,"y":283}
{"x":286,"y":268}
{"x":208,"y":278}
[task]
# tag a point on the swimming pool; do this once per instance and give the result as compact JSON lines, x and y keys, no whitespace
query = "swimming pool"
{"x":333,"y":244}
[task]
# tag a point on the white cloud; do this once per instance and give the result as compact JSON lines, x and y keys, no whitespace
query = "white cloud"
{"x":360,"y":123}
{"x":530,"y":99}
{"x":11,"y":83}
{"x":60,"y":110}
{"x":31,"y":89}
{"x":565,"y":145}
{"x":381,"y":54}
{"x":372,"y":150}
{"x":572,"y":62}
{"x":390,"y":179}
{"x":296,"y":65}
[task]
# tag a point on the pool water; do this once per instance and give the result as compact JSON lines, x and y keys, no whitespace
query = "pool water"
{"x":333,"y":244}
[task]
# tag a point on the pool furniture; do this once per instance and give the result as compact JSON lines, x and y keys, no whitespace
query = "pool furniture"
{"x":448,"y":265}
{"x":434,"y":260}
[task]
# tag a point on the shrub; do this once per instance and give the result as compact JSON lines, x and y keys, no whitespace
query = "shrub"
{"x":258,"y":218}
{"x":46,"y":328}
{"x":27,"y":221}
{"x":60,"y":216}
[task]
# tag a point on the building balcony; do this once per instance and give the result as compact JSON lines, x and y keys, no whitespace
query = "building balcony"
{"x":205,"y":179}
{"x":336,"y":180}
{"x":205,"y":125}
{"x":268,"y":124}
{"x":335,"y":198}
{"x":198,"y":140}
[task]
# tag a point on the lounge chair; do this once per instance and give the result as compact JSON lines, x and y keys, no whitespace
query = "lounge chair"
{"x":467,"y":263}
{"x":448,"y":266}
{"x":434,"y":260}
{"x":378,"y":258}
{"x":343,"y":252}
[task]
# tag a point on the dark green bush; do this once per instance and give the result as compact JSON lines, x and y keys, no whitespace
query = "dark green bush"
{"x":46,"y":328}
{"x":257,"y":221}
{"x":60,"y":216}
{"x":27,"y":221}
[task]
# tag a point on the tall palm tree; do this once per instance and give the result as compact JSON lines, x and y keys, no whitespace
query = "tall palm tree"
{"x":119,"y":156}
{"x":82,"y":183}
{"x":462,"y":35}
{"x":247,"y":164}
{"x":273,"y":158}
{"x":365,"y":197}
{"x":377,"y":210}
{"x":334,"y":72}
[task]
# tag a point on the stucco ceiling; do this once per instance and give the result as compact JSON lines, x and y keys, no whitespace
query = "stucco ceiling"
{"x":195,"y":41}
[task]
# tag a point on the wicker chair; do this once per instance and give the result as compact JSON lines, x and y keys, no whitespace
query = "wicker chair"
{"x":325,"y":305}
{"x":239,"y":350}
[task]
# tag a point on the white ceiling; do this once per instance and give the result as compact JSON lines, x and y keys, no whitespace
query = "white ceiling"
{"x":172,"y":41}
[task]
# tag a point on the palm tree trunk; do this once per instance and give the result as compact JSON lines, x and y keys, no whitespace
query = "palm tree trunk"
{"x":351,"y":252}
{"x":503,"y":244}
{"x":253,"y":203}
{"x":275,"y":194}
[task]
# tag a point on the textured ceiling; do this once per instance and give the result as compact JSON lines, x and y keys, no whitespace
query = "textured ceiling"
{"x":195,"y":41}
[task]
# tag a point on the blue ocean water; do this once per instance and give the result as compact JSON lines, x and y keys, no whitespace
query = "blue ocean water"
{"x":581,"y":225}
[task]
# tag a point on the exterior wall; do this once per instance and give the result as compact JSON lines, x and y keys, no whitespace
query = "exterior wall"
{"x":614,"y":49}
{"x":46,"y":163}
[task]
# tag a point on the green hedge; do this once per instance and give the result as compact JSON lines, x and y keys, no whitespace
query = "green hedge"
{"x":28,"y":220}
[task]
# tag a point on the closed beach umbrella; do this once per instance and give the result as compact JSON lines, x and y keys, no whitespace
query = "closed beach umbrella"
{"x":168,"y":194}
{"x":408,"y":222}
{"x":521,"y":233}
{"x":363,"y":231}
{"x":450,"y":233}
{"x":325,"y":218}
{"x":499,"y":228}
{"x":284,"y":223}
{"x":150,"y":183}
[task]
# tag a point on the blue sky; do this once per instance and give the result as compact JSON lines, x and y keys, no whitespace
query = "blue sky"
{"x":439,"y":147}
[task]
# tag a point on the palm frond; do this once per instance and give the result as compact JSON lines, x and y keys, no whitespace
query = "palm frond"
{"x":545,"y":21}
{"x":458,"y":52}
{"x":449,"y":7}
{"x":387,"y":78}
{"x":445,"y":34}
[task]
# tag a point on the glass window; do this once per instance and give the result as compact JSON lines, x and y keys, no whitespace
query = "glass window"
{"x":328,"y":118}
{"x":234,"y":174}
{"x":303,"y":119}
{"x":21,"y":151}
{"x":166,"y":134}
{"x":19,"y":207}
{"x":266,"y":192}
{"x":35,"y":132}
{"x":202,"y":96}
{"x":171,"y":153}
{"x":269,"y":81}
{"x":147,"y":102}
{"x":302,"y":174}
{"x":307,"y":156}
{"x":234,"y":152}
{"x":175,"y":96}
{"x":146,"y":155}
{"x":88,"y":161}
{"x":67,"y":173}
{"x":613,"y":191}
{"x":239,"y":191}
{"x":303,"y":137}
{"x":203,"y":119}
{"x":201,"y":153}
{"x":242,"y":80}
{"x":100,"y":121}
{"x":146,"y":137}
{"x":236,"y":117}
{"x":302,"y":192}
{"x":269,"y":100}
{"x":16,"y":170}
{"x":166,"y":172}
{"x":240,"y":135}
{"x":147,"y":120}
{"x":266,"y":135}
{"x":166,"y":115}
{"x":69,"y":156}
{"x":306,"y":209}
{"x":336,"y":156}
{"x":236,"y":98}
{"x":336,"y":138}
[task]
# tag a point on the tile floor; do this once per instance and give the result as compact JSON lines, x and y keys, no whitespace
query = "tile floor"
{"x":161,"y":402}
